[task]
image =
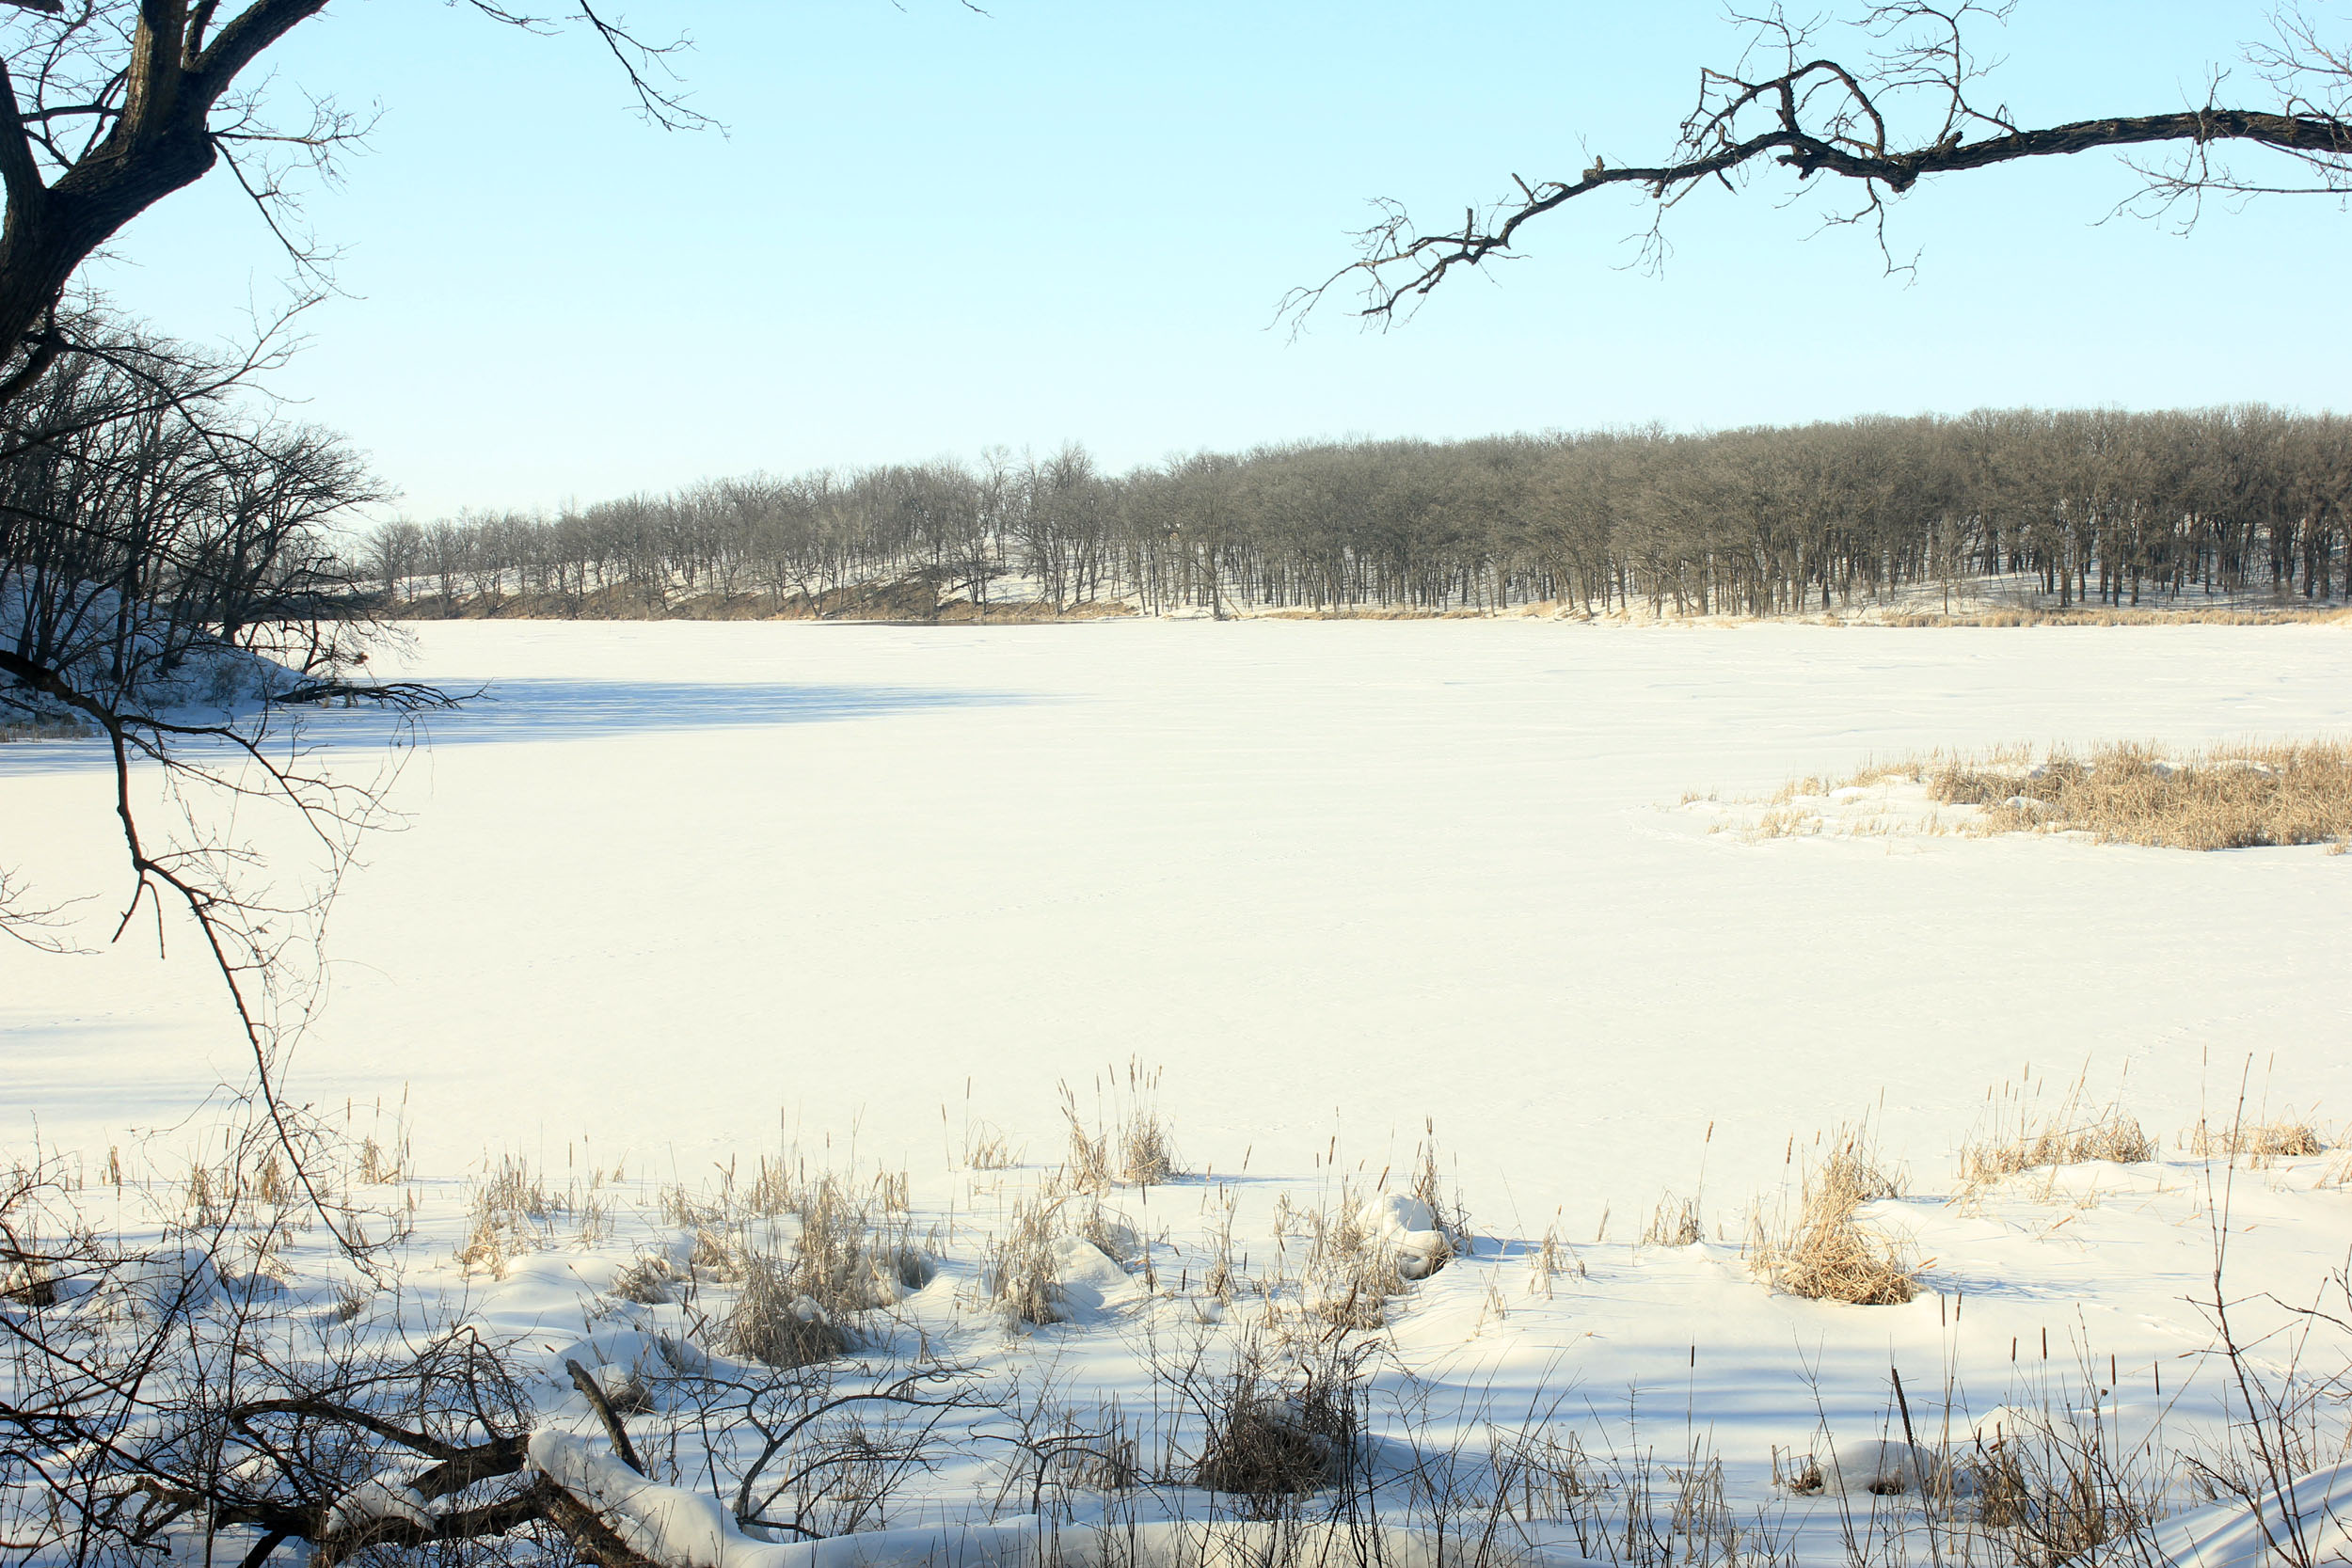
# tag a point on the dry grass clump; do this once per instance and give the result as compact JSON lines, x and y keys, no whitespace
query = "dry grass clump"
{"x":817,"y":1256}
{"x":1822,"y":1251}
{"x":2224,"y":797}
{"x":807,"y":1253}
{"x":776,"y":1322}
{"x":1446,"y":1209}
{"x":1674,"y":1223}
{"x":2109,"y":615}
{"x":1272,"y":1439}
{"x":649,"y":1281}
{"x":985,"y":1148}
{"x":1019,"y":1275}
{"x":1351,"y":1270}
{"x":2287,"y":1139}
{"x":25,"y":1281}
{"x":2021,"y":1141}
{"x":2052,"y":1490}
{"x":512,"y":1212}
{"x":1134,"y":1150}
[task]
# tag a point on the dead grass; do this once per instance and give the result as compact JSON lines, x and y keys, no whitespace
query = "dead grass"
{"x":1019,"y":1276}
{"x":1822,"y":1250}
{"x":986,"y":1148}
{"x":1674,"y":1223}
{"x":1134,"y":1148}
{"x":511,"y":1212}
{"x":2244,"y":796}
{"x":2013,"y":1138}
{"x":2287,"y":1139}
{"x":2110,"y":616}
{"x":2222,"y":798}
{"x":2051,"y":1488}
{"x":777,"y":1322}
{"x":808,"y":1253}
{"x":1271,"y":1439}
{"x":1352,"y":1266}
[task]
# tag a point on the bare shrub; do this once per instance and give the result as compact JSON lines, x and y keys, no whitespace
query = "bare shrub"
{"x":1822,"y":1251}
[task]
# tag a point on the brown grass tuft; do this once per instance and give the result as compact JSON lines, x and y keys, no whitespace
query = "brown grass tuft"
{"x":1822,"y":1251}
{"x":2016,"y":1140}
{"x":774,"y":1320}
{"x":2224,"y":797}
{"x":2288,"y":1138}
{"x":1674,"y":1223}
{"x":1270,"y":1441}
{"x":512,"y":1212}
{"x":1134,"y":1150}
{"x":1019,"y":1274}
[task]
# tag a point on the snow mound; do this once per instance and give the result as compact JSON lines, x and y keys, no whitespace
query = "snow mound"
{"x":1087,"y":1281}
{"x":1404,"y":1225}
{"x":2311,"y":1523}
{"x":1881,"y":1468}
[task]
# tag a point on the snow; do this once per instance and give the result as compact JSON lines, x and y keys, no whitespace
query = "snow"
{"x":680,"y":887}
{"x":680,"y":895}
{"x":684,"y":1529}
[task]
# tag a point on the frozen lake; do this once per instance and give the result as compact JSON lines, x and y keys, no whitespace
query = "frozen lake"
{"x":680,"y":886}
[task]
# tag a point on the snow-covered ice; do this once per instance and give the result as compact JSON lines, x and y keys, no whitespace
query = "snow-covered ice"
{"x":677,"y":894}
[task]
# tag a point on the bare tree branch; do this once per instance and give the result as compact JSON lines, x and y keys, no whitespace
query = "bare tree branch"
{"x":1900,"y":113}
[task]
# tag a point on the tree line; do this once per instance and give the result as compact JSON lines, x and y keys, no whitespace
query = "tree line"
{"x":2085,"y":506}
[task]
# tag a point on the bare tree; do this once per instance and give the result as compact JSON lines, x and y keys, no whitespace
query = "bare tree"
{"x":108,"y":106}
{"x":170,"y":583}
{"x":1885,"y":97}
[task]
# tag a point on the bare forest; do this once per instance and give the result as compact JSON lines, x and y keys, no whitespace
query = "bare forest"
{"x":2063,"y":509}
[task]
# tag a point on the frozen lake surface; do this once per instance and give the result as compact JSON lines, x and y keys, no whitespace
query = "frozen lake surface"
{"x":678,"y":897}
{"x":677,"y":886}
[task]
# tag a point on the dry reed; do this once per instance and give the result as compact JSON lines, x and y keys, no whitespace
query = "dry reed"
{"x":2222,"y":798}
{"x":2287,"y":1139}
{"x":1822,"y":1251}
{"x":2017,"y":1140}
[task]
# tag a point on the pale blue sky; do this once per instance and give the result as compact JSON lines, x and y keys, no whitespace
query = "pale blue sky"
{"x":928,"y":231}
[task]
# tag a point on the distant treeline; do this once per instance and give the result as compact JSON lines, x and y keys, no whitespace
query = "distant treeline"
{"x":2086,"y":507}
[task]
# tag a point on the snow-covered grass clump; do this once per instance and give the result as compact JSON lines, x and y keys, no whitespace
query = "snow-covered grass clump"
{"x":2264,"y":794}
{"x":729,"y":1372}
